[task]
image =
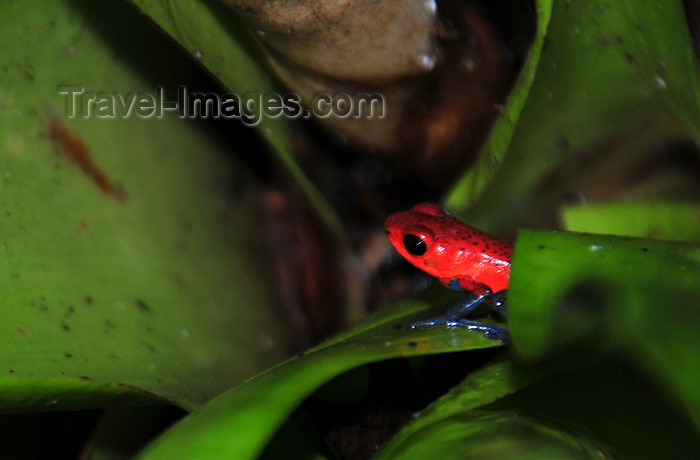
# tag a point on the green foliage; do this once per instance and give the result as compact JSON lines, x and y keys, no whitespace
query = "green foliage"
{"x":614,"y":75}
{"x":661,"y":220}
{"x":103,"y":297}
{"x":634,"y":296}
{"x":163,"y":297}
{"x":610,"y":304}
{"x":260,"y":405}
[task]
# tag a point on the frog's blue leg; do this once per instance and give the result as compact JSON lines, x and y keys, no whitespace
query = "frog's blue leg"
{"x":466,"y":307}
{"x":457,"y":315}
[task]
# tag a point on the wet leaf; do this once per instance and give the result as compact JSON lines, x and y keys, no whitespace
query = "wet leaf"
{"x":480,"y":434}
{"x":157,"y":292}
{"x":656,"y":219}
{"x":612,"y":78}
{"x":480,"y":388}
{"x":259,"y":406}
{"x":636,"y":297}
{"x":472,"y":184}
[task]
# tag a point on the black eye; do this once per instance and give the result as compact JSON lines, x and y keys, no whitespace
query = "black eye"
{"x":414,"y":245}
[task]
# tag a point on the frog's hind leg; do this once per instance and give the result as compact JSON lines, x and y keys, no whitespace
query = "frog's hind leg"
{"x":458,"y":314}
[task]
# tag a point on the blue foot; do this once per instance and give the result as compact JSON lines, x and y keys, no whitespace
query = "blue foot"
{"x":491,"y":332}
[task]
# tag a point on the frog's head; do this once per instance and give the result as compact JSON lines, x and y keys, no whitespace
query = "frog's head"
{"x":418,"y":235}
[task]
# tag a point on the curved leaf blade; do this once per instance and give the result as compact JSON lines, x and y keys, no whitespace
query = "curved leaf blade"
{"x":486,"y":434}
{"x":479,"y":388}
{"x":468,"y":189}
{"x":640,"y":296}
{"x":655,"y":219}
{"x":239,"y":423}
{"x":619,"y":72}
{"x":162,"y":290}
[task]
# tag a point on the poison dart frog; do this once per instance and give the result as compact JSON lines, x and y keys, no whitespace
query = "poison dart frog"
{"x":464,"y":259}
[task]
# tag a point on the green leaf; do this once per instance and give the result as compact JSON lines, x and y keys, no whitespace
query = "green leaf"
{"x":481,"y":434}
{"x":470,"y":186}
{"x":658,"y":220}
{"x":605,"y":401}
{"x":613,"y":301}
{"x":639,"y":297}
{"x":258,"y":407}
{"x":162,"y":292}
{"x":613,"y":77}
{"x":478,"y":389}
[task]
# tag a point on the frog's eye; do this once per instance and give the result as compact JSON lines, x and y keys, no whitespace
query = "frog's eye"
{"x":414,"y":244}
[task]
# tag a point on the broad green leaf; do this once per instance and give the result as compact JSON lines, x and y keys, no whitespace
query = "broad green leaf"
{"x":615,"y":293}
{"x":481,"y":434}
{"x":164,"y":291}
{"x":657,"y":219}
{"x":613,"y":77}
{"x":607,"y":402}
{"x":573,"y":402}
{"x":478,"y":389}
{"x":638,"y":297}
{"x":239,"y":423}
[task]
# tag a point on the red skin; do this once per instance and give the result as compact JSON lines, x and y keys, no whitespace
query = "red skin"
{"x":461,"y":256}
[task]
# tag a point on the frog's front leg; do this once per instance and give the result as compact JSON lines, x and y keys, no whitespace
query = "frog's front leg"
{"x":480,"y":295}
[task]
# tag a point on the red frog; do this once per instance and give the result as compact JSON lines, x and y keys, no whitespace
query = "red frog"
{"x":463,"y":257}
